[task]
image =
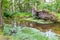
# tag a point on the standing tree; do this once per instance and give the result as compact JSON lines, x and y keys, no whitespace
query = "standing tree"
{"x":0,"y":14}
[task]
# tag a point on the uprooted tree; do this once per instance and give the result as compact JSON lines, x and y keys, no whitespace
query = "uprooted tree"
{"x":44,"y":14}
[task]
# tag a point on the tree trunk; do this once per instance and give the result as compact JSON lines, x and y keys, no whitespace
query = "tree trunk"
{"x":0,"y":14}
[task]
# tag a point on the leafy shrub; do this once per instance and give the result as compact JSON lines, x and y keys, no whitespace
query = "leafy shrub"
{"x":7,"y":14}
{"x":7,"y":28}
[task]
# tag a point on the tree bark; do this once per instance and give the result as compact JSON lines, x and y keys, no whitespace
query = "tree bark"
{"x":1,"y":14}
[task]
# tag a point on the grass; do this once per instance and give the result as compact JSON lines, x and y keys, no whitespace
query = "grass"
{"x":58,"y":15}
{"x":23,"y":14}
{"x":40,"y":21}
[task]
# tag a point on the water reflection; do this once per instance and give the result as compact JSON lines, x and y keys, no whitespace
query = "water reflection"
{"x":43,"y":27}
{"x":50,"y":33}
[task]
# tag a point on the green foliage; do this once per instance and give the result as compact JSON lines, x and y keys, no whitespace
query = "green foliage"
{"x":24,"y":14}
{"x":26,"y":33}
{"x":26,"y":5}
{"x":5,"y":2}
{"x":7,"y":14}
{"x":40,"y":21}
{"x":6,"y":29}
{"x":58,"y":16}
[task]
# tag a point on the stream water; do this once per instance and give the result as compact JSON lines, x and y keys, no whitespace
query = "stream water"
{"x":47,"y":28}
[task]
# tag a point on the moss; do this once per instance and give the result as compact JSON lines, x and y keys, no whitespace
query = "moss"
{"x":40,"y":21}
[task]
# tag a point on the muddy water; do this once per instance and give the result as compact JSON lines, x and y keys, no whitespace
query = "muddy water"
{"x":43,"y":27}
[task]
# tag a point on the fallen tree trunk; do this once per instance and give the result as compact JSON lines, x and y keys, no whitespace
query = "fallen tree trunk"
{"x":45,"y":15}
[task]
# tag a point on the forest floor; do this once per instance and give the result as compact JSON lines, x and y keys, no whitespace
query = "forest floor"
{"x":2,"y":37}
